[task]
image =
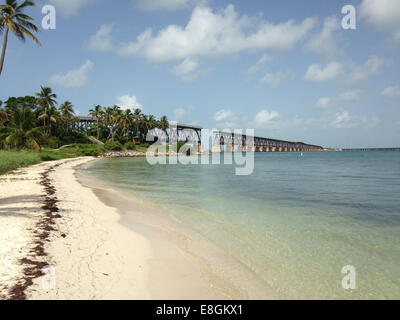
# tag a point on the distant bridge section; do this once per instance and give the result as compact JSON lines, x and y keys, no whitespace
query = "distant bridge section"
{"x":233,"y":142}
{"x":373,"y":149}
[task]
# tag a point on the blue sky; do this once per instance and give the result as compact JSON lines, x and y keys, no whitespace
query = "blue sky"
{"x":285,"y":68}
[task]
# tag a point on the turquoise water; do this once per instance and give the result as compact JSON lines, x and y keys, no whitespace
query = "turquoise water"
{"x":295,"y":222}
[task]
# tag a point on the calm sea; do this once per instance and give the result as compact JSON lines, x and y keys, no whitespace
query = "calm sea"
{"x":295,"y":222}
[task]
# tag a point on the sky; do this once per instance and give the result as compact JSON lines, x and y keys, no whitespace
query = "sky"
{"x":287,"y":68}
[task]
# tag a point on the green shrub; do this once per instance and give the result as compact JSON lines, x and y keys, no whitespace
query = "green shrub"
{"x":50,"y":142}
{"x":113,"y":146}
{"x":75,"y":138}
{"x":130,"y":146}
{"x":47,"y":157}
{"x":90,"y":153}
{"x":12,"y":160}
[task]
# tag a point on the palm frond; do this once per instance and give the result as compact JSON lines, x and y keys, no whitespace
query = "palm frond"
{"x":25,"y":4}
{"x":26,"y":32}
{"x":28,"y":25}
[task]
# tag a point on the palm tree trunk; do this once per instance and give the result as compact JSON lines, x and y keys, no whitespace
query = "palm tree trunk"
{"x":3,"y":52}
{"x":98,"y":131}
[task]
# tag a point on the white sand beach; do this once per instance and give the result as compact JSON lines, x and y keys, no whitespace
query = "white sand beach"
{"x":89,"y":249}
{"x":92,"y":255}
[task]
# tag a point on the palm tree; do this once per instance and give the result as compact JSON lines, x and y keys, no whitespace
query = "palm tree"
{"x":46,"y":99}
{"x":12,"y":18}
{"x":150,"y":122}
{"x":67,"y":110}
{"x":51,"y":114}
{"x":112,"y":117}
{"x":164,"y":125}
{"x":67,"y":114}
{"x":137,"y":118}
{"x":97,"y":113}
{"x":126,"y":120}
{"x":21,"y":131}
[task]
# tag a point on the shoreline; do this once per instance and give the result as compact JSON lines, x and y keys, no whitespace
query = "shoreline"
{"x":216,"y":274}
{"x":86,"y":245}
{"x":90,"y":247}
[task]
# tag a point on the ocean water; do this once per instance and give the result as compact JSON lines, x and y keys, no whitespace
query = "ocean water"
{"x":295,"y":222}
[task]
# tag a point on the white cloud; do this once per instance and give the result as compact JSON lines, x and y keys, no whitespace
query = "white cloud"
{"x":264,"y":117}
{"x":324,"y":43}
{"x":128,"y":102}
{"x":69,"y":7}
{"x":101,"y":41}
{"x":210,"y":34}
{"x":227,"y":119}
{"x":223,"y":115}
{"x":350,"y":74}
{"x":75,"y":78}
{"x":260,"y":63}
{"x":383,"y":15}
{"x":391,"y":92}
{"x":188,"y":70}
{"x":344,"y":120}
{"x":352,"y":95}
{"x":325,"y":102}
{"x":274,"y":80}
{"x":370,"y":68}
{"x":317,"y":73}
{"x":155,"y":5}
{"x":328,"y":102}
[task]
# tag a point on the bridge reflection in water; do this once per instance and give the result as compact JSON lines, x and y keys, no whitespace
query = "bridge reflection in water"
{"x":234,"y":142}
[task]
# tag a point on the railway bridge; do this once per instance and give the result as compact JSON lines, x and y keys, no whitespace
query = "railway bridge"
{"x":221,"y":140}
{"x":233,"y":142}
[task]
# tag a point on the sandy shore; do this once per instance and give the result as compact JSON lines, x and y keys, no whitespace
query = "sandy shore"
{"x":59,"y":241}
{"x":81,"y":251}
{"x":87,"y":253}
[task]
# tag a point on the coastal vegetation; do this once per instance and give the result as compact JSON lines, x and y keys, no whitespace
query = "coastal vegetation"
{"x":36,"y":128}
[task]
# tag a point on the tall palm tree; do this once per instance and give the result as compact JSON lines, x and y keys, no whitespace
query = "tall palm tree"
{"x":67,"y":114}
{"x":164,"y":125}
{"x":67,"y":110}
{"x":112,"y":118}
{"x":126,"y":120}
{"x":97,"y":113}
{"x":12,"y":18}
{"x":51,"y":114}
{"x":46,"y":99}
{"x":150,"y":122}
{"x":137,"y":118}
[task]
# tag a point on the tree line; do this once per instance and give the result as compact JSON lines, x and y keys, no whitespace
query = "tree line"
{"x":37,"y":121}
